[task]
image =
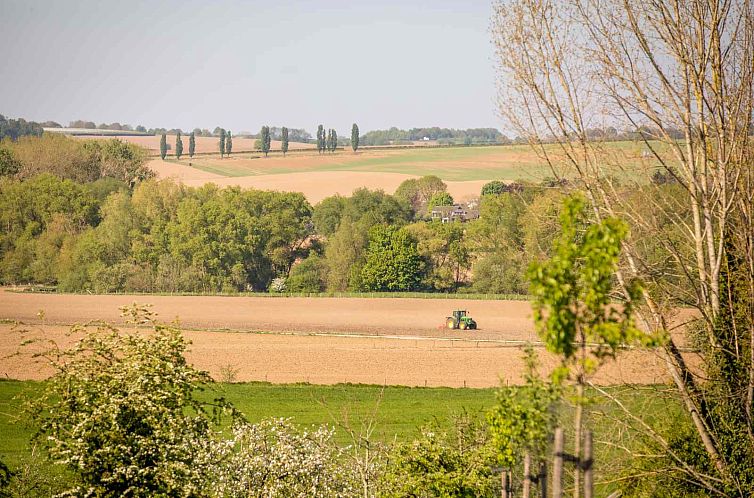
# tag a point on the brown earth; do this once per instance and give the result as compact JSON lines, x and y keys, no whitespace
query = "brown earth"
{"x":332,"y":359}
{"x":315,"y":185}
{"x":319,"y":340}
{"x":379,"y":316}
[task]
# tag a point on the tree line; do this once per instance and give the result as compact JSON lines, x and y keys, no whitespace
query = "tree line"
{"x":12,"y":129}
{"x":396,"y":135}
{"x":114,"y":230}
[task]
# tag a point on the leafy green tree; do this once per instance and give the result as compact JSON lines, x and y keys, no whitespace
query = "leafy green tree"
{"x":494,"y":187}
{"x":524,"y":417}
{"x":392,"y":261}
{"x":443,"y":463}
{"x":446,"y":252}
{"x":222,"y":142}
{"x":163,"y":146}
{"x":310,"y":275}
{"x":228,"y":143}
{"x":268,"y":141}
{"x":62,"y":156}
{"x":284,"y":140}
{"x":344,"y":254}
{"x":12,"y":129}
{"x":371,"y":207}
{"x":572,"y":299}
{"x":328,"y":213}
{"x":9,"y":165}
{"x":416,"y":193}
{"x":264,"y":136}
{"x":440,"y":199}
{"x":122,"y":412}
{"x":192,"y":144}
{"x":27,"y":210}
{"x":120,"y":160}
{"x":497,"y":241}
{"x":178,"y":146}
{"x":355,"y":137}
{"x":321,"y":139}
{"x":332,"y":140}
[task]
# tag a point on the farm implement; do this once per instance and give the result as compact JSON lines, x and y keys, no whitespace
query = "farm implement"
{"x":460,"y":320}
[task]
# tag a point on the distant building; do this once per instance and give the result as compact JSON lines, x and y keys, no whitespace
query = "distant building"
{"x":456,"y":212}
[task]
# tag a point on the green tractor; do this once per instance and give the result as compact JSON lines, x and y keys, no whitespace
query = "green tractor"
{"x":460,"y":320}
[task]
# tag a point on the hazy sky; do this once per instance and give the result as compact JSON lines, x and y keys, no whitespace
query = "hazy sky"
{"x":242,"y":64}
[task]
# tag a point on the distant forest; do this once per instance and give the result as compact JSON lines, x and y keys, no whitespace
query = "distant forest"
{"x":444,"y":135}
{"x":15,"y":128}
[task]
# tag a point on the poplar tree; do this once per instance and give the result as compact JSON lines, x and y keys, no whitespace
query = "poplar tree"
{"x":355,"y":137}
{"x":284,"y":140}
{"x":332,"y":140}
{"x":228,"y":143}
{"x":264,"y":137}
{"x":163,"y":146}
{"x":320,"y":139}
{"x":222,"y":142}
{"x":192,"y":144}
{"x":178,"y":146}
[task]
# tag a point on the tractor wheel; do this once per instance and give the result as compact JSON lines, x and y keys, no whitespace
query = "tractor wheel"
{"x":451,"y":324}
{"x":462,"y":325}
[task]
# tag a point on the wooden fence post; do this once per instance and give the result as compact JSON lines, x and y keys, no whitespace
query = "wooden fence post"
{"x":527,"y":475}
{"x":507,"y":484}
{"x":587,"y":466}
{"x":542,"y":479}
{"x":557,"y":465}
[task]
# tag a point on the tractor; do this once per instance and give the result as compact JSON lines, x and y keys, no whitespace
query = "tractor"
{"x":460,"y":320}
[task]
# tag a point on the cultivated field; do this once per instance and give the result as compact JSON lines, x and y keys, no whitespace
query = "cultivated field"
{"x":464,"y":169}
{"x":318,"y":340}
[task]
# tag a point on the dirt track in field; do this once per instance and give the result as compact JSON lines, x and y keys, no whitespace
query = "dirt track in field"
{"x":318,"y":340}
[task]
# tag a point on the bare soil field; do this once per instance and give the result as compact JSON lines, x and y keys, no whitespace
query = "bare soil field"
{"x":317,"y":340}
{"x":203,"y":144}
{"x":277,"y":358}
{"x":315,"y":185}
{"x":379,"y":316}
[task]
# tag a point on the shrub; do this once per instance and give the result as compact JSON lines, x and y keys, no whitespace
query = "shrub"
{"x":121,"y":412}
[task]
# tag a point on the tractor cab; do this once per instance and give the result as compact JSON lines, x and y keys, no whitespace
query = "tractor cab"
{"x":460,"y":320}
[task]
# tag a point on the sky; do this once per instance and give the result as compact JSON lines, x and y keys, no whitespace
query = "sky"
{"x":243,"y":64}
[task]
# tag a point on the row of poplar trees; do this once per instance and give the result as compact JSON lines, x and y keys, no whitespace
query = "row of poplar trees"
{"x":192,"y":145}
{"x":326,"y":141}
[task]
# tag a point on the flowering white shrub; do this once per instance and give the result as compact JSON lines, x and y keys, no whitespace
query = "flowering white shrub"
{"x":273,"y":459}
{"x":277,"y":284}
{"x":122,"y":414}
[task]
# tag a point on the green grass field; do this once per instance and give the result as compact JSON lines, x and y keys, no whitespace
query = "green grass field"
{"x":400,"y":412}
{"x":505,"y":162}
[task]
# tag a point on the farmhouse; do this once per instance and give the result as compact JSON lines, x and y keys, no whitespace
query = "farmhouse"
{"x":456,"y":212}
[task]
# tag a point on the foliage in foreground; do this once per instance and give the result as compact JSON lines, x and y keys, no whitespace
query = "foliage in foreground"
{"x":121,"y":413}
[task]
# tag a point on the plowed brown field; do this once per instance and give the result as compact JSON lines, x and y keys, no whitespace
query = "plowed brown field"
{"x":315,"y":185}
{"x":318,"y":340}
